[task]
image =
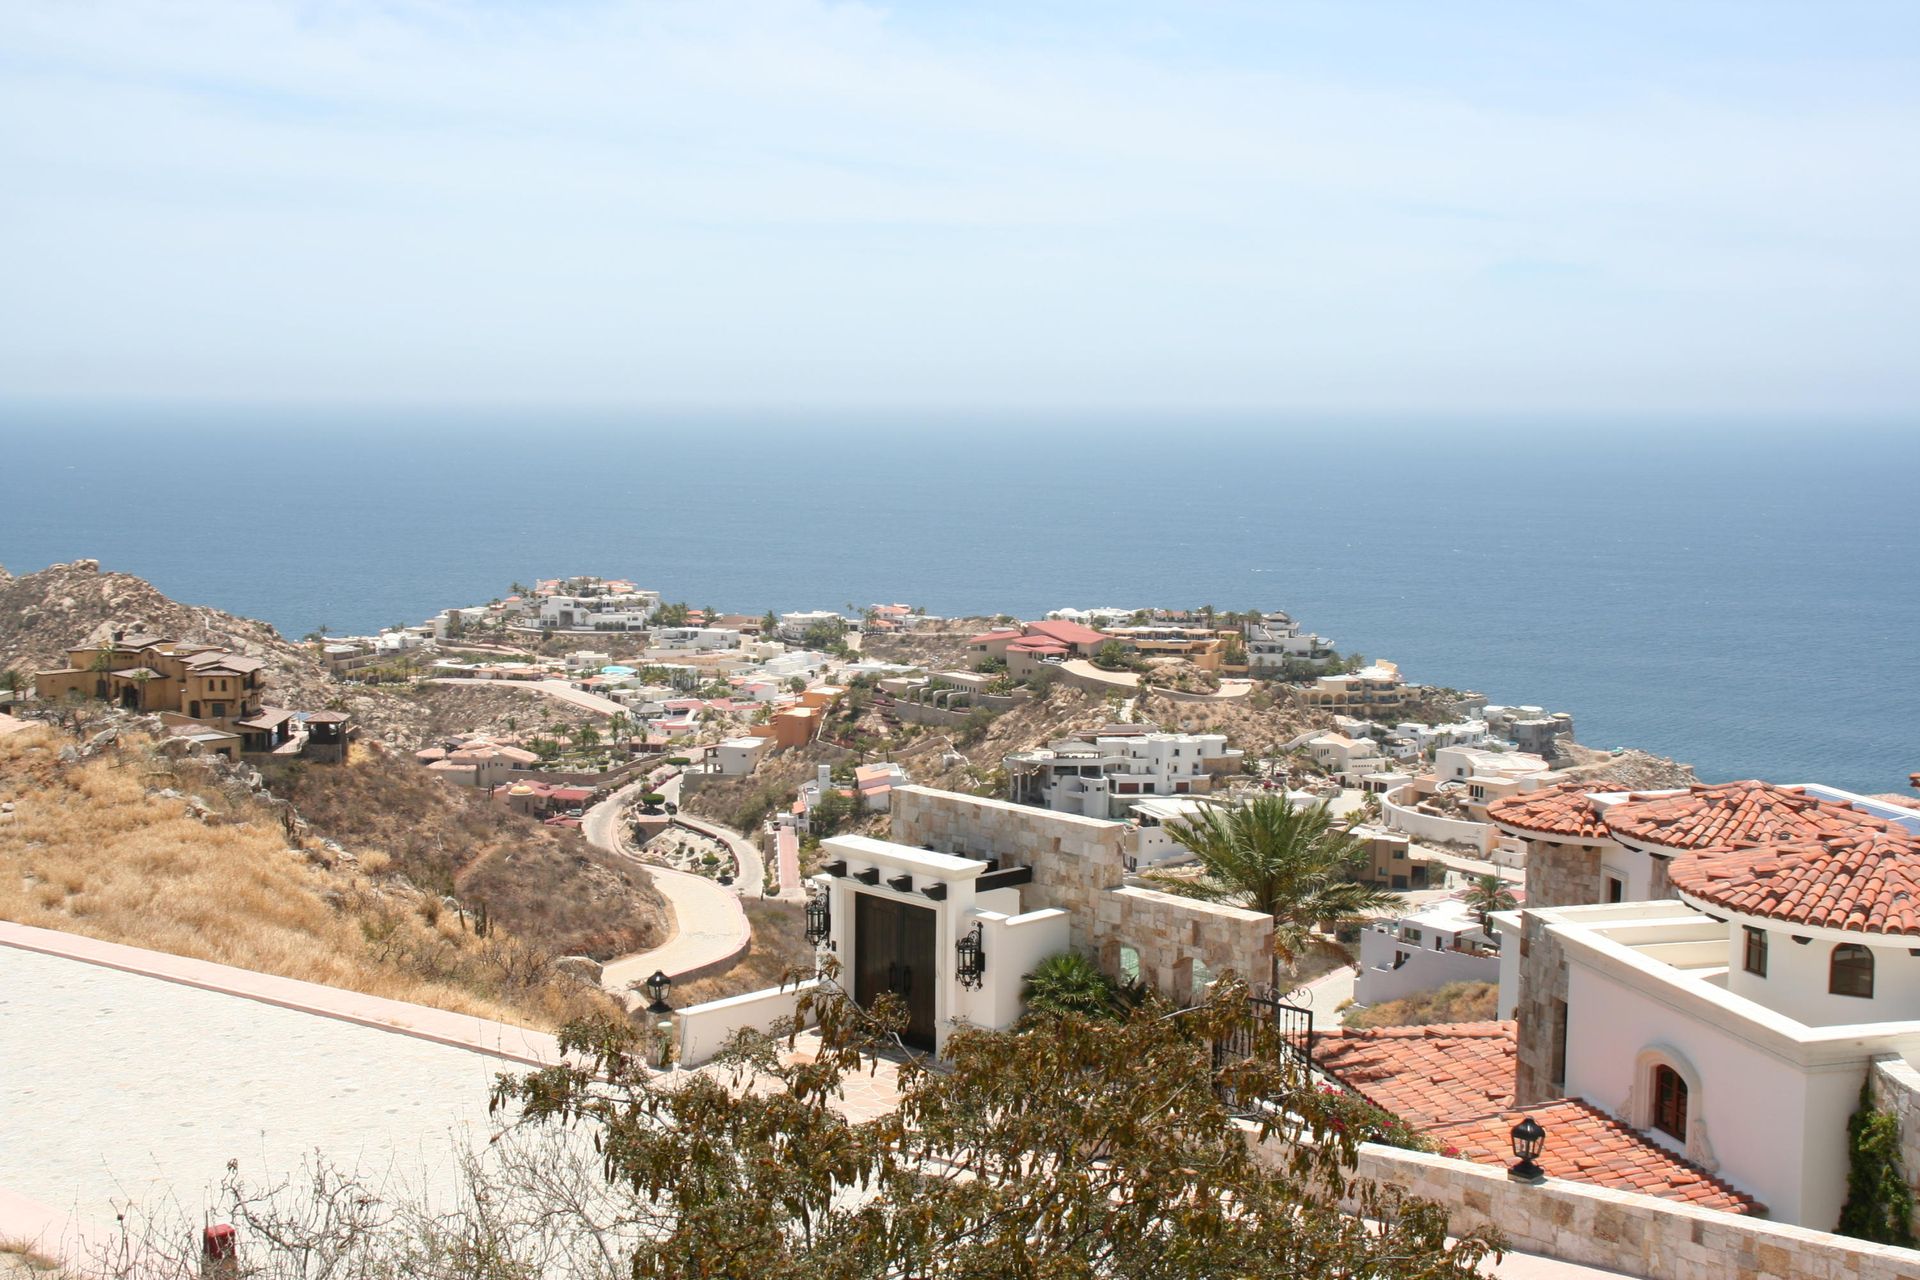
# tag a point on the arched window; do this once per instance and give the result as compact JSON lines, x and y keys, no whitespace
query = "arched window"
{"x":1850,"y":972}
{"x":1669,"y":1102}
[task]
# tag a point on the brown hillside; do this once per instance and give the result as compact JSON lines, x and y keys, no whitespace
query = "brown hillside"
{"x":176,"y":855}
{"x":545,"y":884}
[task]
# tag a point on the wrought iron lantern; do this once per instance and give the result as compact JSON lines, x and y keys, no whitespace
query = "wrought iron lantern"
{"x":1528,"y":1140}
{"x":819,"y":920}
{"x":657,"y":987}
{"x":971,"y":967}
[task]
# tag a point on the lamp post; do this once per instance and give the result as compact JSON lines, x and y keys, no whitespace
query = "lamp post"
{"x":657,"y":987}
{"x":1528,"y":1140}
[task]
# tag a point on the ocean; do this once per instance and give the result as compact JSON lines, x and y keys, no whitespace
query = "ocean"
{"x":1744,"y":597}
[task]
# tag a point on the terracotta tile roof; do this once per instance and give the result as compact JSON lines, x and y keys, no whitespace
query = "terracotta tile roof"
{"x":1867,"y":881}
{"x":1065,"y":632}
{"x":998,"y":633}
{"x":1454,"y":1081}
{"x":1584,"y":1144}
{"x":1734,"y":815}
{"x":1564,"y":810}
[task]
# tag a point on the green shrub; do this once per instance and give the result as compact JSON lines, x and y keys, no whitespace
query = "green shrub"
{"x":1879,"y":1203}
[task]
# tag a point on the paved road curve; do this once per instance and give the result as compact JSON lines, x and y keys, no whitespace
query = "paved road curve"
{"x":558,"y":690}
{"x":709,"y":925}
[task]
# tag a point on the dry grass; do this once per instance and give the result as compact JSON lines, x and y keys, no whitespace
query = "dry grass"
{"x":92,"y":850}
{"x":544,"y":884}
{"x":21,"y":1261}
{"x":779,"y":945}
{"x":1455,"y":1002}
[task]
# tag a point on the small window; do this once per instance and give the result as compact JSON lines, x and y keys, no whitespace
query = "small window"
{"x":1756,"y":958}
{"x":1850,"y":972}
{"x":1669,"y":1102}
{"x":1616,"y":889}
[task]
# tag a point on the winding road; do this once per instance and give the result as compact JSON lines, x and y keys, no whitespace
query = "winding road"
{"x":558,"y":690}
{"x":710,"y":926}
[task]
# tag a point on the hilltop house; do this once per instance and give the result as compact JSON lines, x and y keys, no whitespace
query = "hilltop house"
{"x":208,"y":686}
{"x":1107,"y":776}
{"x":1277,"y":638}
{"x":1375,"y":692}
{"x":1024,"y":648}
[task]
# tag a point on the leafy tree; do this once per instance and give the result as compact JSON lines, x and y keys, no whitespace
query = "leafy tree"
{"x":1488,"y":894}
{"x":768,"y":623}
{"x":825,"y":633}
{"x":830,"y":813}
{"x":1112,"y":655}
{"x":1080,"y":1148}
{"x":1287,"y":861}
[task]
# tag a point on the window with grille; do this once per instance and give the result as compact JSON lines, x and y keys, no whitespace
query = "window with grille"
{"x":1669,"y":1102}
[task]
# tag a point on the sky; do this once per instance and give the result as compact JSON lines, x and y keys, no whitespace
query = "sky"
{"x":1468,"y":208}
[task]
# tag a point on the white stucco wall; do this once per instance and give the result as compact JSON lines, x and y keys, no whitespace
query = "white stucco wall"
{"x":1014,"y":945}
{"x":1797,"y":977}
{"x":1772,"y":1128}
{"x":701,"y":1030}
{"x":1426,"y":826}
{"x":1425,"y":969}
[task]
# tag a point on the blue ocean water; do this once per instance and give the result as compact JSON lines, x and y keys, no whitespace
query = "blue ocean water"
{"x":1744,"y":597}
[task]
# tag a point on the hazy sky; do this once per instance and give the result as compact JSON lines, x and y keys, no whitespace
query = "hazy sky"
{"x":1358,"y":206}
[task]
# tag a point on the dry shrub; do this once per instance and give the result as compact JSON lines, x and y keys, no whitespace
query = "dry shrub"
{"x":1455,"y":1002}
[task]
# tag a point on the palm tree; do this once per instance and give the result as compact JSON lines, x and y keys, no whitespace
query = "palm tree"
{"x":1069,"y":983}
{"x":1286,"y":861}
{"x":1488,"y":894}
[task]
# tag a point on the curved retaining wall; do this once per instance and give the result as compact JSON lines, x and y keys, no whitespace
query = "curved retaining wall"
{"x":1428,"y":827}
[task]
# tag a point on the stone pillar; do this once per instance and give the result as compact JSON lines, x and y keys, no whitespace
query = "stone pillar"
{"x":1540,"y":1015}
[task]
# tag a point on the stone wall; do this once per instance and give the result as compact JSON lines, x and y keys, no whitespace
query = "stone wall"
{"x":1563,"y":875}
{"x":1543,"y":993}
{"x":1079,"y":866}
{"x":1623,"y":1231}
{"x":1895,"y":1087}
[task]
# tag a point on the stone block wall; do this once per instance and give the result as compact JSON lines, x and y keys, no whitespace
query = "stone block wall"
{"x":1895,"y":1087}
{"x":1563,"y":875}
{"x":1623,"y":1231}
{"x":1079,"y":866}
{"x":1543,"y":992}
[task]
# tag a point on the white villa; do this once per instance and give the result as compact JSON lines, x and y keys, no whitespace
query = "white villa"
{"x":696,"y":639}
{"x":1425,"y":950}
{"x":1104,"y":778}
{"x":792,"y":627}
{"x":1719,"y":968}
{"x":1276,"y":638}
{"x":614,"y":611}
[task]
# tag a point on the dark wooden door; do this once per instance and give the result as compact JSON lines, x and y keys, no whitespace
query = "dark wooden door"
{"x":893,"y":952}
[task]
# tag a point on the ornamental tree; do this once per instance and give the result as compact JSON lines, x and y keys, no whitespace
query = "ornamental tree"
{"x":1078,"y":1148}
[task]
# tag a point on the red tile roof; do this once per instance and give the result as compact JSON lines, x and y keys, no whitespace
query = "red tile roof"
{"x":1065,"y":632}
{"x":1734,"y":815}
{"x":998,"y":633}
{"x":1564,"y":810}
{"x":1866,"y":882}
{"x":1455,"y":1082}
